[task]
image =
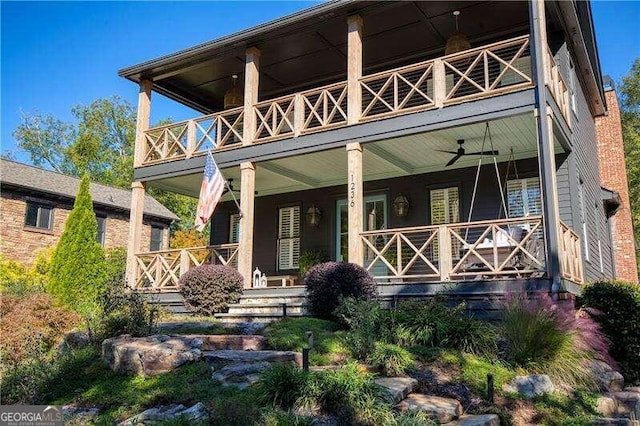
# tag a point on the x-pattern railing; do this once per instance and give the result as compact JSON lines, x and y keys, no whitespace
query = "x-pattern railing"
{"x":405,"y":89}
{"x":493,"y":69}
{"x":407,"y":253}
{"x":570,"y":254}
{"x":274,"y":118}
{"x":556,"y":84}
{"x":324,"y":107}
{"x":161,"y":270}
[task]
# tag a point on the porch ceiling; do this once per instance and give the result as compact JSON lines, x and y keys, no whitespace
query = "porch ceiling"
{"x":383,"y":159}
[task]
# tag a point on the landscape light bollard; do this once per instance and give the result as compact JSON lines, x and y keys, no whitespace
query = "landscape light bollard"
{"x":305,"y":351}
{"x":284,"y":310}
{"x":490,"y":388}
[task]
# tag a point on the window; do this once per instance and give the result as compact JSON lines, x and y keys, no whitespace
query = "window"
{"x":39,"y":215}
{"x":572,"y":85}
{"x":445,"y":208}
{"x":583,"y":221}
{"x":156,"y":238}
{"x":523,"y":197}
{"x":288,"y":237}
{"x":234,"y":228}
{"x":102,"y":226}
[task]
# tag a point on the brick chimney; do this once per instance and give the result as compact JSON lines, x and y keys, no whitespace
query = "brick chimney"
{"x":613,"y":174}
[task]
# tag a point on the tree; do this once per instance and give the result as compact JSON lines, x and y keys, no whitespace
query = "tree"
{"x":101,"y":145}
{"x":630,"y":116}
{"x":77,"y":273}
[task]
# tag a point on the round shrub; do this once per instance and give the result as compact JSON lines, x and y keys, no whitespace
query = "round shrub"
{"x":328,"y":283}
{"x":616,"y":307}
{"x":209,"y":289}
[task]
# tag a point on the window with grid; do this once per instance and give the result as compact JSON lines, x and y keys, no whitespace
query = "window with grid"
{"x":445,"y":208}
{"x":288,"y":237}
{"x":39,"y":215}
{"x":523,"y":197}
{"x":156,"y":238}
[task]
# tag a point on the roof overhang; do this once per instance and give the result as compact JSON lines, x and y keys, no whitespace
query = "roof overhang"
{"x":611,"y":201}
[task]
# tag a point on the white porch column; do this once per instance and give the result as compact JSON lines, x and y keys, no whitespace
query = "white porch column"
{"x":355,"y":201}
{"x":354,"y":68}
{"x":245,"y":244}
{"x":135,"y":231}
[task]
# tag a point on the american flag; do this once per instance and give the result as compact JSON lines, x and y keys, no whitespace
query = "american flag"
{"x":210,"y":192}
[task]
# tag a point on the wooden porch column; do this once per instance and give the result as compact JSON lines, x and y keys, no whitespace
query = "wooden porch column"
{"x":245,"y":244}
{"x":251,"y":79}
{"x":354,"y":68}
{"x":546,"y":154}
{"x":355,"y":201}
{"x":142,"y":122}
{"x":135,"y":231}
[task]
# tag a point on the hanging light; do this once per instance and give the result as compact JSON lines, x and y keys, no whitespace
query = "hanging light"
{"x":458,"y":41}
{"x":313,"y":216}
{"x":233,"y":97}
{"x":401,"y":205}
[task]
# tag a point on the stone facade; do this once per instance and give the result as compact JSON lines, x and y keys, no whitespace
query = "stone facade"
{"x":23,"y":244}
{"x":613,"y":174}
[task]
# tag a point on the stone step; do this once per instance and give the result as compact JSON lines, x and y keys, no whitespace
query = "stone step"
{"x":233,"y":356}
{"x":253,"y":318}
{"x":397,"y":387}
{"x":272,"y":299}
{"x":443,"y":409}
{"x":477,"y":420}
{"x":266,"y":308}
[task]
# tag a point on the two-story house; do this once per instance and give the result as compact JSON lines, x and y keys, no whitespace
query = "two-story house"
{"x":442,"y":145}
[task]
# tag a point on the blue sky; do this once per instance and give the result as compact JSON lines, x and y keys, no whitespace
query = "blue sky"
{"x":55,"y":55}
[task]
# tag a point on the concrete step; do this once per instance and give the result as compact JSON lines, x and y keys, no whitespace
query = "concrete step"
{"x":267,"y":308}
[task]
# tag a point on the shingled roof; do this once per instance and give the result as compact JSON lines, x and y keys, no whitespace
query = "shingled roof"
{"x":45,"y":181}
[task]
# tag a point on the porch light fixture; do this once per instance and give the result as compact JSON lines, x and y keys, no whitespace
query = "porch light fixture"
{"x":457,"y":42}
{"x":401,"y":205}
{"x":233,"y":97}
{"x":313,"y":216}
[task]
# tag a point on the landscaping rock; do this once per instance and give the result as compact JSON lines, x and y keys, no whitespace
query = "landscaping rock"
{"x":606,"y":406}
{"x":635,"y":389}
{"x":628,"y":404}
{"x":443,"y":409}
{"x":231,"y":342}
{"x":607,"y":421}
{"x":530,"y":386}
{"x":240,"y":370}
{"x":230,"y":356}
{"x":149,"y":356}
{"x":196,"y":414}
{"x":73,"y":415}
{"x":479,"y":420}
{"x":397,"y":387}
{"x":608,"y":379}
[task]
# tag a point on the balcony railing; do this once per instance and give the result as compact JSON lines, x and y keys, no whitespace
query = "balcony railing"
{"x":473,"y":74}
{"x":161,"y":270}
{"x":571,"y":254}
{"x":556,"y":84}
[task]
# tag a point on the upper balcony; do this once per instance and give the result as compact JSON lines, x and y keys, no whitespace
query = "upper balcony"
{"x":474,"y":74}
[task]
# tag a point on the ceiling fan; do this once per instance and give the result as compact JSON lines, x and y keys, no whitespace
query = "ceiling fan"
{"x":231,"y":188}
{"x":461,"y":152}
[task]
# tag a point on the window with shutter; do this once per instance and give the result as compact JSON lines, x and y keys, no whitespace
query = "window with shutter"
{"x":445,"y":208}
{"x":523,"y":197}
{"x":288,"y":237}
{"x":234,"y":228}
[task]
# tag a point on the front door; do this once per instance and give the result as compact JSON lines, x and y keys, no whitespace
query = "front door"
{"x":375,"y":218}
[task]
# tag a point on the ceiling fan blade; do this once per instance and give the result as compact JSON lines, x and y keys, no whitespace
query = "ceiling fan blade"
{"x":453,"y":160}
{"x":482,"y":153}
{"x":448,"y":152}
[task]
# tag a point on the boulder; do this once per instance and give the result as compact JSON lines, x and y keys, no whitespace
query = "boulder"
{"x":231,"y":341}
{"x":74,"y":415}
{"x":628,"y":404}
{"x":530,"y":386}
{"x":478,"y":420}
{"x":443,"y":409}
{"x":397,"y":387}
{"x":232,"y":356}
{"x":608,"y":421}
{"x":635,"y":389}
{"x":149,"y":356}
{"x":606,"y":406}
{"x":240,"y":370}
{"x":608,"y":379}
{"x":196,"y":414}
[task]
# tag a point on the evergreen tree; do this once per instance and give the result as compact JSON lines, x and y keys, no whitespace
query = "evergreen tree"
{"x":77,"y":274}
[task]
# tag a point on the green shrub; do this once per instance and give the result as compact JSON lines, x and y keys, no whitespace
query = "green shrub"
{"x":209,"y":289}
{"x":76,"y":277}
{"x":283,"y":418}
{"x":367,"y":323}
{"x":16,"y":278}
{"x":282,"y":385}
{"x":392,"y":360}
{"x":412,"y":418}
{"x":328,"y":283}
{"x":310,"y":258}
{"x":617,"y":306}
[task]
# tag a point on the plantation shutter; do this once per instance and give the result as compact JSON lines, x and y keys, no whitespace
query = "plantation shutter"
{"x":523,"y":196}
{"x":234,"y":228}
{"x":288,"y":238}
{"x":445,"y":208}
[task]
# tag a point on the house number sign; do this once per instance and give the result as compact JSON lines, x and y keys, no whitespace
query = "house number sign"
{"x":352,"y":191}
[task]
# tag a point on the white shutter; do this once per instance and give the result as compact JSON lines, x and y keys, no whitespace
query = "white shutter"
{"x":523,"y":197}
{"x":288,"y":238}
{"x":445,"y":206}
{"x":234,"y":228}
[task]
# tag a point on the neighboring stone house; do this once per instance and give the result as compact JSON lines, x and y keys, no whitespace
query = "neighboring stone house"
{"x":35,"y":204}
{"x":613,"y":174}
